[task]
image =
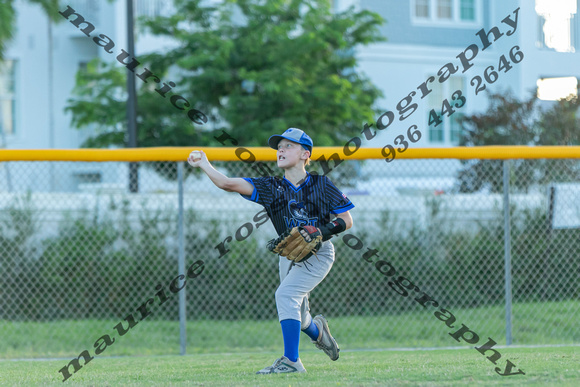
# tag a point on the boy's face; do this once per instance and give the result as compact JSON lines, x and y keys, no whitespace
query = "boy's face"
{"x":290,"y":154}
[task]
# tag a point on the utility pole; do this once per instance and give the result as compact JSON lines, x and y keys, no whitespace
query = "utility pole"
{"x":50,"y":102}
{"x":132,"y":102}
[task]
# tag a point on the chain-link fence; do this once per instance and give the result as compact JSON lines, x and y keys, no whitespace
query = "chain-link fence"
{"x":81,"y":257}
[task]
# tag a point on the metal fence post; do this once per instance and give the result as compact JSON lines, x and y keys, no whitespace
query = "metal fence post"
{"x":181,"y":258}
{"x":507,"y":253}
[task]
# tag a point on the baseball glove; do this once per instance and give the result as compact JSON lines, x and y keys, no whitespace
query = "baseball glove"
{"x":298,"y":243}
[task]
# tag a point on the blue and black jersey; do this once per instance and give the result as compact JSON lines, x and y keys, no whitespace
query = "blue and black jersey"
{"x":288,"y":206}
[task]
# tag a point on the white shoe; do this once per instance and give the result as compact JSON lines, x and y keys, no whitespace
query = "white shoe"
{"x":283,"y":366}
{"x":325,"y":340}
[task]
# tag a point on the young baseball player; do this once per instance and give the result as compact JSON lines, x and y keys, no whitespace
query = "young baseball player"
{"x":297,"y":199}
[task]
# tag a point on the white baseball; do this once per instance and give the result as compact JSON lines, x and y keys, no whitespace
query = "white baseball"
{"x":196,"y":155}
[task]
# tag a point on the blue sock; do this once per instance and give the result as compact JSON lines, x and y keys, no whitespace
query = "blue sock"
{"x":312,"y":331}
{"x":291,"y":334}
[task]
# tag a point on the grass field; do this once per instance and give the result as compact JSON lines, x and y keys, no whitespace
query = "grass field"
{"x":224,"y":353}
{"x":558,"y":366}
{"x":534,"y":323}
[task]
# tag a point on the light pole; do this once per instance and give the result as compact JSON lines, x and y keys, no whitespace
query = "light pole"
{"x":131,"y":102}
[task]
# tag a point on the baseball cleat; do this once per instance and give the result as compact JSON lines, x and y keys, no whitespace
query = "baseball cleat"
{"x":283,"y":366}
{"x":325,"y":340}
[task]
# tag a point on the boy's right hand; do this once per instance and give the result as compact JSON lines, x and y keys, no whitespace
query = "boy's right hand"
{"x":196,"y":158}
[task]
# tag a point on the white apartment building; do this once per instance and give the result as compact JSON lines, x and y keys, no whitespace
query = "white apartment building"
{"x":426,"y":58}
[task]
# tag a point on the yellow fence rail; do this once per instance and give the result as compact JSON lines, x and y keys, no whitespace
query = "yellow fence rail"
{"x":268,"y":154}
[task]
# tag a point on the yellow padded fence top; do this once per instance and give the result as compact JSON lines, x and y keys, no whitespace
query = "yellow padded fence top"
{"x":268,"y":154}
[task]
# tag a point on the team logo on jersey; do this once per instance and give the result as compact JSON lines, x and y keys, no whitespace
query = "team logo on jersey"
{"x":299,"y":215}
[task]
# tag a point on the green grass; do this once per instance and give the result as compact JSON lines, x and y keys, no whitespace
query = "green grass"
{"x":543,"y":366}
{"x":534,"y":323}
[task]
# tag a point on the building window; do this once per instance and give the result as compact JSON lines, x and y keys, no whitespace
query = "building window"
{"x":436,"y":133}
{"x":467,"y":10}
{"x":553,"y":89}
{"x":434,"y":99}
{"x":446,"y":11}
{"x":83,"y":66}
{"x":422,"y":8}
{"x":88,"y":8}
{"x":84,"y":180}
{"x":444,"y":127}
{"x":557,"y":24}
{"x":455,"y":83}
{"x":455,"y":128}
{"x":88,"y":177}
{"x":8,"y":97}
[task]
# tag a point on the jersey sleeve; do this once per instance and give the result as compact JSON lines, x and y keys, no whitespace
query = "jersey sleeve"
{"x":339,"y":203}
{"x":262,"y":193}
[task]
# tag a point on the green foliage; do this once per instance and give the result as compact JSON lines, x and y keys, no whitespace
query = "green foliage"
{"x":18,"y":227}
{"x":8,"y":19}
{"x":107,"y":267}
{"x":92,"y":268}
{"x":509,"y":121}
{"x":51,"y":7}
{"x":257,"y":67}
{"x":92,"y":91}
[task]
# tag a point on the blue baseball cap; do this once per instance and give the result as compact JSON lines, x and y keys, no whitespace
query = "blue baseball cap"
{"x":294,"y":135}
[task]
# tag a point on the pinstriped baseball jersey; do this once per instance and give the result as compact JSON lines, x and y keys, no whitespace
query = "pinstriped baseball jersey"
{"x":311,"y":203}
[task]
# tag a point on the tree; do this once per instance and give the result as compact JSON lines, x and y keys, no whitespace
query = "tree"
{"x":8,"y":18}
{"x":509,"y":121}
{"x":253,"y":67}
